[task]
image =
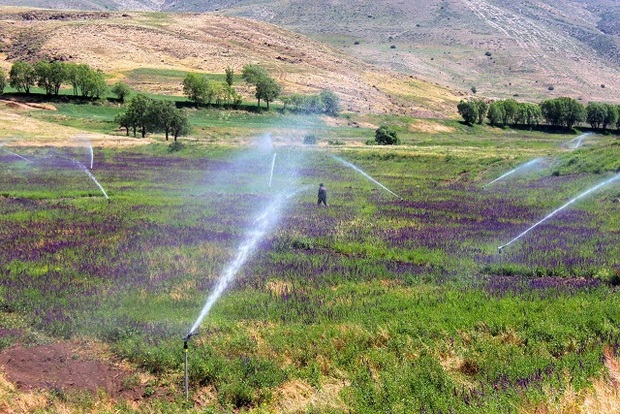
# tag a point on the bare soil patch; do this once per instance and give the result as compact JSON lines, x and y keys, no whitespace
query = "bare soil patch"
{"x":65,"y":366}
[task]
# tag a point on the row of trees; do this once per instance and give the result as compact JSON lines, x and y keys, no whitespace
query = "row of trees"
{"x":51,"y":76}
{"x":153,"y":115}
{"x":557,"y":112}
{"x":200,"y":90}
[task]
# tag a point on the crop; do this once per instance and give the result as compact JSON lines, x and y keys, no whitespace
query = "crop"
{"x":404,"y":304}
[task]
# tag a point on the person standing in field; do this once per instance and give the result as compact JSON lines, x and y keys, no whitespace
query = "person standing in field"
{"x":322,"y":195}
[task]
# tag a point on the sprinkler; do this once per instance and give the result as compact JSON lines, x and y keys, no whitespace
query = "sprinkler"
{"x":185,"y":350}
{"x":499,"y":251}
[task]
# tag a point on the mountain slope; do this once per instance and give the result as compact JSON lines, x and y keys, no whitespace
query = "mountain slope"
{"x":533,"y":49}
{"x":120,"y":43}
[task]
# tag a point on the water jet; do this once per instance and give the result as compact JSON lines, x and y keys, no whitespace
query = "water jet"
{"x":554,"y":212}
{"x":348,"y":164}
{"x":520,"y":167}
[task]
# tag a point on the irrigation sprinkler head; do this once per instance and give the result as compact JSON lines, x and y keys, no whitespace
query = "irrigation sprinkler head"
{"x":500,"y":248}
{"x":189,"y":335}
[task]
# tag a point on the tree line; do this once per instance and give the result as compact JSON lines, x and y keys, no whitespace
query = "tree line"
{"x":51,"y":76}
{"x":557,"y":112}
{"x":202,"y":91}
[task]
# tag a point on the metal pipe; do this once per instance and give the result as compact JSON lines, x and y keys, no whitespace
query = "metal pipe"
{"x":499,"y":249}
{"x":186,"y":376}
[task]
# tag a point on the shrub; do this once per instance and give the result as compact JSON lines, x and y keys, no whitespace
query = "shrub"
{"x":175,"y":146}
{"x":385,"y":135}
{"x":310,"y":139}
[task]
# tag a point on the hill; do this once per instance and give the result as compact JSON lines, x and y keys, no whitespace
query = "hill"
{"x":152,"y":51}
{"x":530,"y":49}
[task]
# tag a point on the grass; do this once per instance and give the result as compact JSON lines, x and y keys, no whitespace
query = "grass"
{"x":402,"y":303}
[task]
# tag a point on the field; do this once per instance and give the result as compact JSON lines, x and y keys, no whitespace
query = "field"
{"x":377,"y":303}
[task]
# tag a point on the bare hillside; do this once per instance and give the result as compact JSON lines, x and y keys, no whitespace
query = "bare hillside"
{"x":120,"y":42}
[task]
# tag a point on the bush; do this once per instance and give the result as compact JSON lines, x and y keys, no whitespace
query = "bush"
{"x":385,"y":135}
{"x":175,"y":146}
{"x":310,"y":139}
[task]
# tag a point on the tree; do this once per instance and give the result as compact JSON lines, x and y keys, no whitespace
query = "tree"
{"x":468,"y":110}
{"x":195,"y":88}
{"x":137,"y":113}
{"x":563,"y":111}
{"x":2,"y":81}
{"x":268,"y":90}
{"x":229,"y":75}
{"x":385,"y":135}
{"x":124,"y":120}
{"x":528,"y":114}
{"x":164,"y":116}
{"x":330,"y":101}
{"x":482,"y":108}
{"x":611,"y":116}
{"x":596,"y":114}
{"x":93,"y":84}
{"x":50,"y":76}
{"x":180,"y":124}
{"x":22,"y":76}
{"x":496,"y":113}
{"x":121,"y":90}
{"x":253,"y":73}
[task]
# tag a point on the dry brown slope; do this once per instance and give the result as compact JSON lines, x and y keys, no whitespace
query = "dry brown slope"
{"x":116,"y":43}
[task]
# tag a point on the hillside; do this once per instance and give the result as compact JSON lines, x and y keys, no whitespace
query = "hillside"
{"x":121,"y":44}
{"x":531,"y":49}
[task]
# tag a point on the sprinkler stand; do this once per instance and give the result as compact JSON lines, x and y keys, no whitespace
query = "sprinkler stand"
{"x":499,"y":250}
{"x":186,"y":376}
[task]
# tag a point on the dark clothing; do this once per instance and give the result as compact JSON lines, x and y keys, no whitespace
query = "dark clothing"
{"x":322,"y":196}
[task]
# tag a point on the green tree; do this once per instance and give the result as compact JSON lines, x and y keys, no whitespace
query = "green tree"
{"x":124,"y":120}
{"x":195,"y":88}
{"x":164,"y":116}
{"x":511,"y":108}
{"x":482,"y":107}
{"x":90,"y":82}
{"x":496,"y":113}
{"x":563,"y":111}
{"x":528,"y":114}
{"x":121,"y":90}
{"x":2,"y":81}
{"x":268,"y":90}
{"x":22,"y":76}
{"x":229,"y":76}
{"x":50,"y":76}
{"x":331,"y":102}
{"x":385,"y":135}
{"x":596,"y":113}
{"x":468,"y":110}
{"x":611,"y":116}
{"x":180,"y":124}
{"x":253,"y":73}
{"x":138,"y":114}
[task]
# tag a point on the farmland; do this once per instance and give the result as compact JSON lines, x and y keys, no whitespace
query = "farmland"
{"x":374,"y":304}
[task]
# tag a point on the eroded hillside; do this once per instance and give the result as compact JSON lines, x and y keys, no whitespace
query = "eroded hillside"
{"x":118,"y":43}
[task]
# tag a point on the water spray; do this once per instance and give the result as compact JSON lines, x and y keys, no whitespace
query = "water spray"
{"x":348,"y":164}
{"x":92,"y":156}
{"x":92,"y":177}
{"x":579,"y":139}
{"x":273,"y":163}
{"x":585,"y":193}
{"x":527,"y":164}
{"x":19,"y":156}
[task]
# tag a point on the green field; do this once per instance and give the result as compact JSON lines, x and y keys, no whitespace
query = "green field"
{"x":375,"y":304}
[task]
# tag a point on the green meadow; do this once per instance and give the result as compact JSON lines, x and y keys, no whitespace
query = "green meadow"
{"x":375,"y":304}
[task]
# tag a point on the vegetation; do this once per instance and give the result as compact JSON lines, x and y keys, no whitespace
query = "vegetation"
{"x":267,"y":89}
{"x":384,"y":135}
{"x":558,"y":112}
{"x":121,"y":90}
{"x":151,"y":115}
{"x":2,"y":81}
